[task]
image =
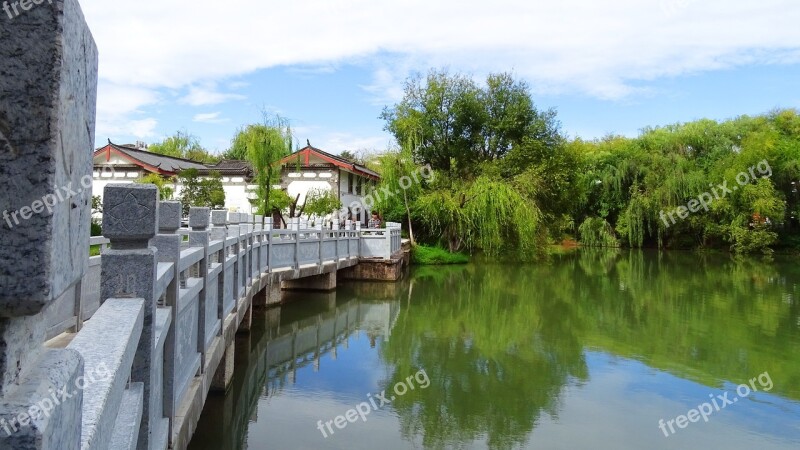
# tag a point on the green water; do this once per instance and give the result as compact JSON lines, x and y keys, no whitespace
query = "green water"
{"x":589,"y":351}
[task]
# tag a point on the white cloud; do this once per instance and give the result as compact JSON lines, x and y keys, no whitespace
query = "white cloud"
{"x":117,"y":108}
{"x":208,"y":95}
{"x":337,"y":142}
{"x":209,"y":118}
{"x":602,"y":49}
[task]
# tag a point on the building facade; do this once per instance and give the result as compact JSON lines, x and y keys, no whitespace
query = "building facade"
{"x":303,"y":171}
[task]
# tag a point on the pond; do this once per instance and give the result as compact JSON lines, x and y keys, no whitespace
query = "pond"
{"x":592,"y":350}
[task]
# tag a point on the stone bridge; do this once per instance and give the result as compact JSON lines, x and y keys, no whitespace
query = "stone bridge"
{"x":121,"y":351}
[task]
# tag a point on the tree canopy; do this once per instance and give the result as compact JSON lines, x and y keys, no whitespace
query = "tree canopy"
{"x":508,"y":182}
{"x":183,"y":145}
{"x":197,"y":191}
{"x":265,"y":144}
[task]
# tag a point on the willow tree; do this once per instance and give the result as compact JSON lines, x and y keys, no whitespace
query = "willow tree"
{"x":266,"y":145}
{"x":632,"y":184}
{"x":183,"y":145}
{"x":487,"y":214}
{"x":406,"y":181}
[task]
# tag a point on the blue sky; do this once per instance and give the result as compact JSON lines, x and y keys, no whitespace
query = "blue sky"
{"x":330,"y":67}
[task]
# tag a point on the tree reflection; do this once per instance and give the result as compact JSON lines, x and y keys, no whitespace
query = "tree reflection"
{"x":500,"y":343}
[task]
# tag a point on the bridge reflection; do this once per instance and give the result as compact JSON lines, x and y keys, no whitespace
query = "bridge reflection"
{"x":286,"y":339}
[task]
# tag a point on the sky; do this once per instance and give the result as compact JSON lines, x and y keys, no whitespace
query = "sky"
{"x":330,"y":67}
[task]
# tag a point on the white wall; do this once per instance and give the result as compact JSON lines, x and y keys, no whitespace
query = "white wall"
{"x":236,"y":192}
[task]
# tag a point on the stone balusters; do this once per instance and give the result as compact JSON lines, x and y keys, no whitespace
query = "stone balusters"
{"x":219,"y":232}
{"x":247,"y":263}
{"x":258,"y":238}
{"x":234,"y":231}
{"x":168,"y":244}
{"x":129,"y":270}
{"x":200,"y":236}
{"x":265,"y":244}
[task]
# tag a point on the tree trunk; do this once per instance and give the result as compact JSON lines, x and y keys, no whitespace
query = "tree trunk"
{"x":408,"y":214}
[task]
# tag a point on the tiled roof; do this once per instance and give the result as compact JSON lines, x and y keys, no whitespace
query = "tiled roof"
{"x":161,"y":162}
{"x":232,"y":167}
{"x":336,"y":160}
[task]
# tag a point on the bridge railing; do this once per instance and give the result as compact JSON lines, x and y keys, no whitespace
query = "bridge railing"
{"x":381,"y":243}
{"x":190,"y":285}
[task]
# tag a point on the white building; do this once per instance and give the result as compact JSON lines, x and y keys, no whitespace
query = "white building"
{"x":311,"y":168}
{"x":307,"y":169}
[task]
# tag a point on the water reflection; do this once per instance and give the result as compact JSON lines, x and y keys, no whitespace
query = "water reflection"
{"x":588,"y":351}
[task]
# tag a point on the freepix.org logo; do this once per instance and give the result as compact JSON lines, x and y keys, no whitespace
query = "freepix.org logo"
{"x":59,"y":195}
{"x":374,"y":403}
{"x":14,"y":9}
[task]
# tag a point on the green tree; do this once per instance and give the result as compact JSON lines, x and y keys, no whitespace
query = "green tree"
{"x":183,"y":145}
{"x":238,"y":149}
{"x":406,"y":180}
{"x":321,"y":202}
{"x":350,"y":156}
{"x":266,"y":145}
{"x":165,"y":191}
{"x":201,"y":191}
{"x":444,"y":114}
{"x":487,"y":214}
{"x":459,"y":124}
{"x":630,"y":183}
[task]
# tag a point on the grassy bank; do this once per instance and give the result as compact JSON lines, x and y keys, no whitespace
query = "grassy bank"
{"x":423,"y":255}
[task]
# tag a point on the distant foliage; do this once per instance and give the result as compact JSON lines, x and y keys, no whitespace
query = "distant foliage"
{"x":596,"y":232}
{"x":264,"y":145}
{"x":486,"y":214}
{"x":202,"y":192}
{"x":165,"y":191}
{"x":183,"y":145}
{"x":629,"y":182}
{"x":321,"y":202}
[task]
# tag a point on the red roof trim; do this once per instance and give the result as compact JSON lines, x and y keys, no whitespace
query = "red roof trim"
{"x":109,"y":148}
{"x":309,"y":150}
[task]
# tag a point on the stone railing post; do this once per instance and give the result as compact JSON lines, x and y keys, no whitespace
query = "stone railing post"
{"x":219,"y":231}
{"x":248,"y":262}
{"x":48,"y":93}
{"x":268,"y":242}
{"x":199,"y":236}
{"x":296,"y":227}
{"x":168,"y":250}
{"x":234,"y":231}
{"x":258,"y":229}
{"x":129,"y":270}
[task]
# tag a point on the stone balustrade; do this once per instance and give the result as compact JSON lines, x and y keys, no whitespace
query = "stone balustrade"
{"x":381,"y":243}
{"x":191,"y":296}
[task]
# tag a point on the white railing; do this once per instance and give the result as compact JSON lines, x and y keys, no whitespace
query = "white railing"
{"x":382,"y":243}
